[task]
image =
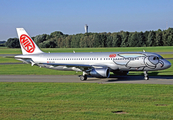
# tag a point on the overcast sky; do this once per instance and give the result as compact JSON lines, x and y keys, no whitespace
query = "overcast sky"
{"x":70,"y":16}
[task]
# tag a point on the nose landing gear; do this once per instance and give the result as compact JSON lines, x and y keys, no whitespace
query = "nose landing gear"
{"x":146,"y":75}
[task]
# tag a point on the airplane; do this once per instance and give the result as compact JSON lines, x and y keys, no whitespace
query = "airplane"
{"x":98,"y":64}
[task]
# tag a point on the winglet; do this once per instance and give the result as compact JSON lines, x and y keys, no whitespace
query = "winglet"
{"x":28,"y":46}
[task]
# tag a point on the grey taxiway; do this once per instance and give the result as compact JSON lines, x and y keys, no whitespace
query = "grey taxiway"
{"x":75,"y":78}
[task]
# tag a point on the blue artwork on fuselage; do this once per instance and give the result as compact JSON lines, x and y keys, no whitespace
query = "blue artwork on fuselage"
{"x":137,"y":61}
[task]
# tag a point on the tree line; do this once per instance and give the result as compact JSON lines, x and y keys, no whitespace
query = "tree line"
{"x":117,"y":39}
{"x":2,"y":43}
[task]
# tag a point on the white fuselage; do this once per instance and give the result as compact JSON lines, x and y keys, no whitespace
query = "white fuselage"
{"x":138,"y":62}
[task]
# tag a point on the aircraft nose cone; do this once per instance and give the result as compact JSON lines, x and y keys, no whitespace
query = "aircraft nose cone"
{"x":167,"y":64}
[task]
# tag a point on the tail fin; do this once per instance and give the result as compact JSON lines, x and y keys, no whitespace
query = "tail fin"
{"x":28,"y":46}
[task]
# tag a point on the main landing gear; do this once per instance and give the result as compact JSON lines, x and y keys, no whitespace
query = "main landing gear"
{"x":83,"y":77}
{"x":146,"y":75}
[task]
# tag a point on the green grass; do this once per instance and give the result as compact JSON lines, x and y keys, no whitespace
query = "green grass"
{"x":27,"y":69}
{"x":167,"y":55}
{"x":10,"y":51}
{"x":25,"y":101}
{"x":8,"y":60}
{"x":113,"y":49}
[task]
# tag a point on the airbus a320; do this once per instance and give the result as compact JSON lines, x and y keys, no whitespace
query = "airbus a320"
{"x":98,"y":64}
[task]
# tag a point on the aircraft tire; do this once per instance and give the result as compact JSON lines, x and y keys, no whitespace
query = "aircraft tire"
{"x":83,"y":78}
{"x":146,"y":78}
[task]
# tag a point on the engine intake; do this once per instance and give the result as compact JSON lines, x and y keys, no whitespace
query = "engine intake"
{"x":100,"y":72}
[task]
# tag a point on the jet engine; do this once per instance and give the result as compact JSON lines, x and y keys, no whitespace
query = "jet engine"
{"x":100,"y":72}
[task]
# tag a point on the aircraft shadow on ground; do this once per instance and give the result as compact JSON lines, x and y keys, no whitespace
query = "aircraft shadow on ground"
{"x":137,"y":78}
{"x":114,"y":78}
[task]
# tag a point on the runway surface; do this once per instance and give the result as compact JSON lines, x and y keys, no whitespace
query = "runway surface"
{"x":74,"y":78}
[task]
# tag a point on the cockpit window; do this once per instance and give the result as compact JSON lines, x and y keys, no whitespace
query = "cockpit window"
{"x":160,"y":57}
{"x":155,"y":58}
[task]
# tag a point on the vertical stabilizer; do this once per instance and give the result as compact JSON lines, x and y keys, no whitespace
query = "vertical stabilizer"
{"x":28,"y":46}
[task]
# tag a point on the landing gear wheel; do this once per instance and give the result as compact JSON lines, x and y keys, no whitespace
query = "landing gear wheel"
{"x":83,"y":78}
{"x":146,"y":75}
{"x":146,"y":78}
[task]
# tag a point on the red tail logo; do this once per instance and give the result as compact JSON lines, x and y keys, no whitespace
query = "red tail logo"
{"x":27,"y":43}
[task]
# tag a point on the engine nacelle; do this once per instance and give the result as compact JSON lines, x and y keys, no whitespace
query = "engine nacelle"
{"x":100,"y":72}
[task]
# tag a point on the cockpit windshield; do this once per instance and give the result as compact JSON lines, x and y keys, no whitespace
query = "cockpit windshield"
{"x":158,"y":57}
{"x":155,"y":58}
